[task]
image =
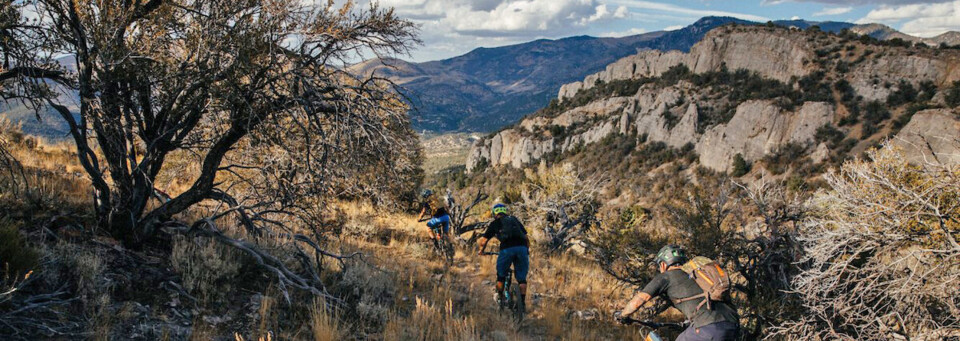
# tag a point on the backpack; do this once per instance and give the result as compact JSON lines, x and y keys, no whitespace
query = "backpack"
{"x":710,"y":277}
{"x":510,"y":228}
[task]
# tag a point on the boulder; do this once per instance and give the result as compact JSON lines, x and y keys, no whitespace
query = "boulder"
{"x":931,"y":136}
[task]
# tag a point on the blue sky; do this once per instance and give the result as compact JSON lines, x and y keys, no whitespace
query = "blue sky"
{"x":454,"y":27}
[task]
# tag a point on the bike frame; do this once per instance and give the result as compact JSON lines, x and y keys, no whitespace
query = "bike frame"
{"x":507,"y":285}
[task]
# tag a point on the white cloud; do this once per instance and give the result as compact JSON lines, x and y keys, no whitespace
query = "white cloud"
{"x":857,"y":2}
{"x":498,"y":18}
{"x":795,"y":17}
{"x":924,"y":20}
{"x":664,"y":7}
{"x":673,"y":28}
{"x":630,"y":32}
{"x":603,"y":13}
{"x":833,"y":11}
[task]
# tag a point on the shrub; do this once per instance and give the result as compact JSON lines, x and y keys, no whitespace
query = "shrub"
{"x":875,"y":112}
{"x":905,"y":93}
{"x":927,"y":90}
{"x":207,"y":268}
{"x":952,"y":96}
{"x":830,"y":135}
{"x":16,"y":257}
{"x":740,"y":166}
{"x":814,"y":89}
{"x":783,"y":158}
{"x":877,"y":253}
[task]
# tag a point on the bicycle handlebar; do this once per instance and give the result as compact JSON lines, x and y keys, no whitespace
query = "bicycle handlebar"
{"x":656,"y":325}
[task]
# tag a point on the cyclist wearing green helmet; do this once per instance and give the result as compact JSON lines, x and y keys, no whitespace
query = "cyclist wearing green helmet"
{"x":719,"y":322}
{"x":514,"y":248}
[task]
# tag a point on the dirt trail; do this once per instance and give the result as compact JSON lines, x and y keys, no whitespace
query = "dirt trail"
{"x":566,"y":301}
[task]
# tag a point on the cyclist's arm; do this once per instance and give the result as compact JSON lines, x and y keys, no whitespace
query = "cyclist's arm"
{"x":656,"y":287}
{"x":423,"y":212}
{"x":483,"y":244}
{"x":638,"y":301}
{"x":489,"y":233}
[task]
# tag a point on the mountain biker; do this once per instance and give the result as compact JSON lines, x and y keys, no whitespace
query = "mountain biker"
{"x":514,"y":249}
{"x":718,"y":322}
{"x":428,"y":204}
{"x":439,"y":222}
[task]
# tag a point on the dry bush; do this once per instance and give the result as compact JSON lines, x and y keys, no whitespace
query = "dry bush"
{"x":747,"y":228}
{"x":372,"y":289}
{"x":881,"y":253}
{"x":207,"y":268}
{"x":560,"y":203}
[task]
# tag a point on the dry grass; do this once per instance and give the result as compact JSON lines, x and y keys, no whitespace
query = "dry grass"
{"x":324,"y":325}
{"x":432,"y":303}
{"x":207,"y":268}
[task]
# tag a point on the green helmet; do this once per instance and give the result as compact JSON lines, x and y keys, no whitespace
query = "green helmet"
{"x":670,"y":255}
{"x":499,"y":208}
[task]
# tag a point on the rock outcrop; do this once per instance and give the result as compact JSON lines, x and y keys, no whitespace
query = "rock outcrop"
{"x":757,"y":129}
{"x":775,"y":55}
{"x":768,"y":53}
{"x":932,"y":136}
{"x":719,"y":125}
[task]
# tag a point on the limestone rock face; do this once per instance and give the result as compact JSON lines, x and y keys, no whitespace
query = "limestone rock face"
{"x":758,"y":129}
{"x":870,"y":77}
{"x":767,"y":53}
{"x":770,"y":54}
{"x":672,"y":114}
{"x":777,"y":56}
{"x":932,"y":136}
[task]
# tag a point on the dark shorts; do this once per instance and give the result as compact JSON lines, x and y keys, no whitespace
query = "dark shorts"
{"x":519,"y":257}
{"x":720,"y":331}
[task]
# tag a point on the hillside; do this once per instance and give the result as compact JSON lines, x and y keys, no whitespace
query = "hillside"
{"x":489,"y":88}
{"x":750,"y":91}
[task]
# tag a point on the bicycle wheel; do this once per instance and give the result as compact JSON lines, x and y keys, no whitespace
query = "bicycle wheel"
{"x":519,"y":306}
{"x":448,"y":252}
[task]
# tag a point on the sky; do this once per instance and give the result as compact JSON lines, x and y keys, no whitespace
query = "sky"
{"x":450,"y":28}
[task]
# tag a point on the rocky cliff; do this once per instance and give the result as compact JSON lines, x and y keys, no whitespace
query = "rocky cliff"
{"x":801,"y":82}
{"x":776,"y":55}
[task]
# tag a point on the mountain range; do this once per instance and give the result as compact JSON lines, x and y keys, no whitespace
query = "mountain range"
{"x":489,"y":88}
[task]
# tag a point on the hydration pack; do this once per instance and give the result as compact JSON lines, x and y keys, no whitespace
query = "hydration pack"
{"x":710,"y":277}
{"x":510,"y":228}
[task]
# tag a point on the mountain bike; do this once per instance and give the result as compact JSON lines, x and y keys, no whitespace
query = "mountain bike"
{"x":511,"y":295}
{"x":441,"y":246}
{"x":653,"y":336}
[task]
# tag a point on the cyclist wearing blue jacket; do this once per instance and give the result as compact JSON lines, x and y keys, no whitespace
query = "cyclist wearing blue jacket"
{"x":439,"y":226}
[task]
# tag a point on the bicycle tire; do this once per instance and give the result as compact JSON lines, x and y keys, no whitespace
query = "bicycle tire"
{"x":519,"y":308}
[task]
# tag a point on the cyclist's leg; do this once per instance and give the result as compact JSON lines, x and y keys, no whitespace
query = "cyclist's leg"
{"x":694,"y":334}
{"x":521,"y":266}
{"x":503,"y":267}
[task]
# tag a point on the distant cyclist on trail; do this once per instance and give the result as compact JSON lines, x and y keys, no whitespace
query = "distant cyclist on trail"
{"x":710,"y":319}
{"x":514,"y":249}
{"x":439,"y":222}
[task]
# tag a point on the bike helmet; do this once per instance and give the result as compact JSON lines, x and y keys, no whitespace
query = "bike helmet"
{"x":670,"y":255}
{"x":499,"y":208}
{"x":426,"y":193}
